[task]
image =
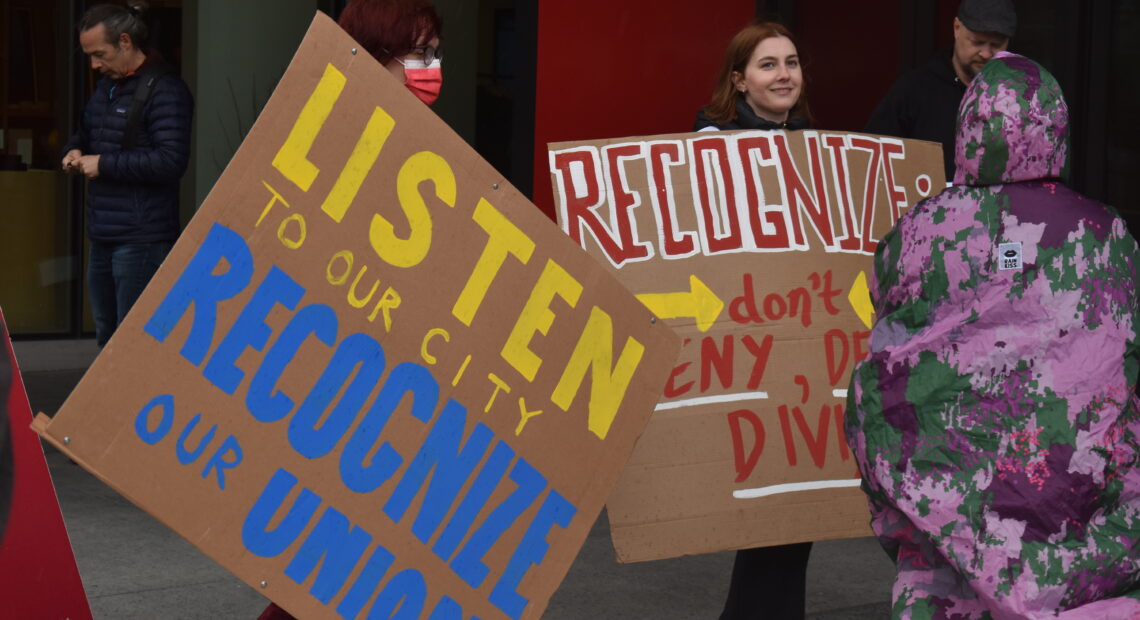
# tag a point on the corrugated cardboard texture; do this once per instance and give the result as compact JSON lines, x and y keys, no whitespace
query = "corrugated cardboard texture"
{"x":371,"y":375}
{"x":756,"y":247}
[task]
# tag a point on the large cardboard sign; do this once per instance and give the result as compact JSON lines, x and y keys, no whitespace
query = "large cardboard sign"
{"x":755,"y":246}
{"x":371,"y":379}
{"x":38,"y":575}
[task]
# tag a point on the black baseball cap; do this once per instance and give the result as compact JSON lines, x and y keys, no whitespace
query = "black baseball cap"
{"x":988,"y":16}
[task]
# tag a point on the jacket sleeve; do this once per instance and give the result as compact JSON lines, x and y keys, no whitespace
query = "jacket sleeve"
{"x":165,"y":154}
{"x":78,"y":140}
{"x":890,"y":117}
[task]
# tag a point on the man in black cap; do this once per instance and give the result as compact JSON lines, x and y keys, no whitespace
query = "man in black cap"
{"x":923,"y":104}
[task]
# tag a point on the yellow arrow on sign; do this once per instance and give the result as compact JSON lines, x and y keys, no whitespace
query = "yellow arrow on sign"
{"x":699,"y":302}
{"x":860,"y":299}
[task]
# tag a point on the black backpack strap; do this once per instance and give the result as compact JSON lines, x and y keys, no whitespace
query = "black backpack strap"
{"x":147,"y":80}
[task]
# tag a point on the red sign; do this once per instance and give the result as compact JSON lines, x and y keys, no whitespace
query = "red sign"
{"x":38,"y":576}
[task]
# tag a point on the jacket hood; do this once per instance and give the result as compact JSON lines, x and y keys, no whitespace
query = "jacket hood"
{"x":1013,"y":125}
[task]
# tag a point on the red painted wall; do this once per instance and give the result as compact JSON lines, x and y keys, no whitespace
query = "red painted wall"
{"x":850,"y":64}
{"x":617,"y":68}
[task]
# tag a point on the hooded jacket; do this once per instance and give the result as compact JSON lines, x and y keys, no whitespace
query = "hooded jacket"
{"x":995,"y":422}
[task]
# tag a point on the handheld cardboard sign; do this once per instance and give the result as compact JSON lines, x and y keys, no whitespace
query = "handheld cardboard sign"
{"x":756,"y":246}
{"x":371,"y":375}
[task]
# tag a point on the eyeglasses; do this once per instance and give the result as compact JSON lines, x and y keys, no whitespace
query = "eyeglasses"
{"x":426,"y":53}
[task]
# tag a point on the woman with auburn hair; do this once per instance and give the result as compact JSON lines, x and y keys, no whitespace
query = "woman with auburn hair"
{"x":761,"y":83}
{"x":761,"y":86}
{"x":404,"y":35}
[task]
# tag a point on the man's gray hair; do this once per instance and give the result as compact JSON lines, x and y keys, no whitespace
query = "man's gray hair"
{"x":117,"y":20}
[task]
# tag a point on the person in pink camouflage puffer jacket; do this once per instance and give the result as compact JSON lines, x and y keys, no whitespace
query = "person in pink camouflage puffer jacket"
{"x":995,"y":422}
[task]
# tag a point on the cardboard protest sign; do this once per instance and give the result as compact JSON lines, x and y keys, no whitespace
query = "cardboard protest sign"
{"x":38,"y":575}
{"x":371,"y":379}
{"x":755,"y":246}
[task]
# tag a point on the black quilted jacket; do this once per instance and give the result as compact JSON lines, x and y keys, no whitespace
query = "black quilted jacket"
{"x":135,"y":198}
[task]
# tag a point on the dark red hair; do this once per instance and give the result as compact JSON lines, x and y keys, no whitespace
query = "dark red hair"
{"x":390,"y":28}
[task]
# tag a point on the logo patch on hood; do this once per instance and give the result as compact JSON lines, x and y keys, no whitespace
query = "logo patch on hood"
{"x":1009,"y":256}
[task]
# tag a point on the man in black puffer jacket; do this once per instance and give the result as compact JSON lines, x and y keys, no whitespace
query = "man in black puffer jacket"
{"x":132,"y":159}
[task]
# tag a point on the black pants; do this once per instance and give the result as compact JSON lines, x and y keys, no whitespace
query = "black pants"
{"x":768,"y":583}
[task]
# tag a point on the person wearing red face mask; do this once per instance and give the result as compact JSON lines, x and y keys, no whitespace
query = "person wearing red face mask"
{"x":404,"y":35}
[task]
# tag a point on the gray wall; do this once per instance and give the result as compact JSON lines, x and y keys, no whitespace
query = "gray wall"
{"x":235,"y":53}
{"x":456,"y":105}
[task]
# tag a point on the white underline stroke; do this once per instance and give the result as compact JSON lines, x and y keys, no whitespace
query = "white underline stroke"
{"x":794,"y":487}
{"x":839,"y":393}
{"x":707,"y":400}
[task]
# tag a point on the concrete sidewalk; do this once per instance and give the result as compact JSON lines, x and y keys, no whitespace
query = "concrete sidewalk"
{"x":134,"y":567}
